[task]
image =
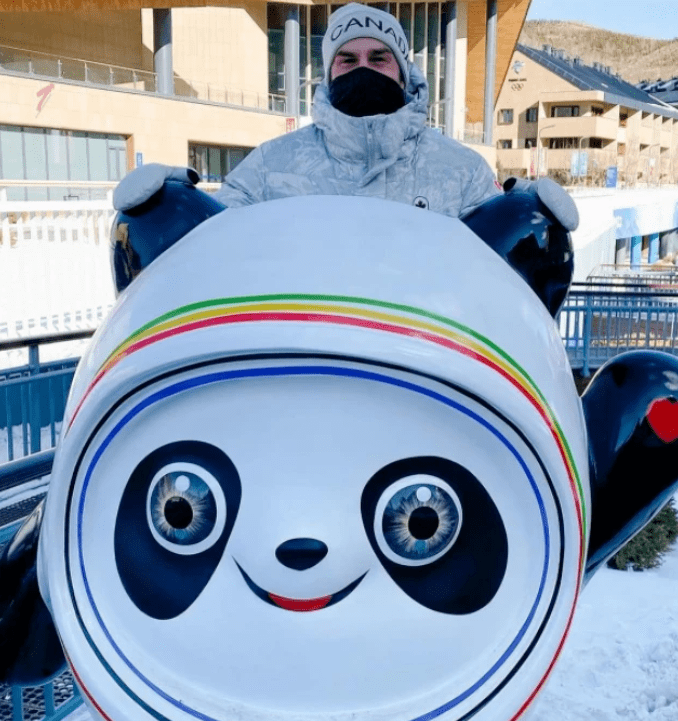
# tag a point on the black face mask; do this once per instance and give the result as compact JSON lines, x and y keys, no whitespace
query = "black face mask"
{"x":364,"y":92}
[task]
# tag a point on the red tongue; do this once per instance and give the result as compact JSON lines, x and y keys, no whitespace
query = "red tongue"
{"x":292,"y":604}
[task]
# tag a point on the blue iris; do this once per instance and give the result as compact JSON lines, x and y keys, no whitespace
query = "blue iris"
{"x":420,"y":521}
{"x":183,"y":508}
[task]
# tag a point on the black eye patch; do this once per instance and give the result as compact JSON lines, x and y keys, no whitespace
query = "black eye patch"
{"x":160,"y":581}
{"x":466,"y":577}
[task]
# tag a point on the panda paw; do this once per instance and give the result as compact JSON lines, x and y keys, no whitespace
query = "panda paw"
{"x":143,"y":182}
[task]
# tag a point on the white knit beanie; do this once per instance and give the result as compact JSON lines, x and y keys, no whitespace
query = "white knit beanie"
{"x":360,"y":21}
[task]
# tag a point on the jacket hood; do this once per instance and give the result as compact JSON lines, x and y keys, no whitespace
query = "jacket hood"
{"x":376,"y":141}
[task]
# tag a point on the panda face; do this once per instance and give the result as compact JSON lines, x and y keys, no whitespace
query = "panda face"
{"x":309,"y":536}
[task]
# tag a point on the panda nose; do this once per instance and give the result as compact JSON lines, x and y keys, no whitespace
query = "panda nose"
{"x":301,"y":553}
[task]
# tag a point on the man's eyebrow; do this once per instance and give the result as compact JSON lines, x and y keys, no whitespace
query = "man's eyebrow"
{"x":346,"y":54}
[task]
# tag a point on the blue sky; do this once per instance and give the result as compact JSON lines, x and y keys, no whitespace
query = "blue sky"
{"x":650,"y":18}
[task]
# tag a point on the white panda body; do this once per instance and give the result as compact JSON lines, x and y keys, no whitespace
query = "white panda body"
{"x":305,"y":378}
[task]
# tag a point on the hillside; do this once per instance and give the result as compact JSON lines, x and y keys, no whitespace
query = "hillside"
{"x":634,"y":58}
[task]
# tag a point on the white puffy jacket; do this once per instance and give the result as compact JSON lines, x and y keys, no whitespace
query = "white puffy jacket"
{"x":391,"y":156}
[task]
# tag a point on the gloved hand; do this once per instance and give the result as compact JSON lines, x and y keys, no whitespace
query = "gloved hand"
{"x":552,"y":195}
{"x":143,"y":182}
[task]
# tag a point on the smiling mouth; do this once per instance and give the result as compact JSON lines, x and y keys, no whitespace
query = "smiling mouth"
{"x":299,"y":604}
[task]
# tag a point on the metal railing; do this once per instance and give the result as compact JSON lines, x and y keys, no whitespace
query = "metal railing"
{"x":51,"y":702}
{"x":19,"y":61}
{"x":30,"y":62}
{"x":598,"y":324}
{"x":33,"y":396}
{"x":55,"y":267}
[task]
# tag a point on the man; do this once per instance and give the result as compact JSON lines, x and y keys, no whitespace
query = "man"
{"x":369,"y":134}
{"x":368,"y":137}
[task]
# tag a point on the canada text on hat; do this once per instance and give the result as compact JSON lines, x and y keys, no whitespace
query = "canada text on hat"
{"x":360,"y":21}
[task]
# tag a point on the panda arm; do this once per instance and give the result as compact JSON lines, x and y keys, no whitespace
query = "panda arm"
{"x":30,"y":651}
{"x":631,"y":411}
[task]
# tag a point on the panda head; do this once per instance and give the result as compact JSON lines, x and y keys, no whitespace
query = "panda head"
{"x":284,"y":508}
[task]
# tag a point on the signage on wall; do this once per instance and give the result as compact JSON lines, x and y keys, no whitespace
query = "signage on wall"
{"x":139,"y":159}
{"x":611,"y":177}
{"x":43,"y":94}
{"x":290,"y":124}
{"x":579,"y":164}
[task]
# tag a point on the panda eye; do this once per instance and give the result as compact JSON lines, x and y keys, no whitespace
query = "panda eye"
{"x":185,"y":508}
{"x":417,"y":522}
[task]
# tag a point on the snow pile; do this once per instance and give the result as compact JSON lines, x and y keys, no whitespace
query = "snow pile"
{"x":620,"y":661}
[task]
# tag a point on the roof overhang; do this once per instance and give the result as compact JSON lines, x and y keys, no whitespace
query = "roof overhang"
{"x":93,"y":5}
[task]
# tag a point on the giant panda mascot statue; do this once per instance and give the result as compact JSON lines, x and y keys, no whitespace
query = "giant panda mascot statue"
{"x":325,"y":461}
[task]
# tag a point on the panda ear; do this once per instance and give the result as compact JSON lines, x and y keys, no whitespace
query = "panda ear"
{"x":631,"y":411}
{"x":30,"y":651}
{"x":141,"y":234}
{"x":530,"y":235}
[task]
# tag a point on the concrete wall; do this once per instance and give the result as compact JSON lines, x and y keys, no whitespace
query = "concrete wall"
{"x":606,"y":215}
{"x":222,"y":46}
{"x":159,"y":127}
{"x":112,"y":37}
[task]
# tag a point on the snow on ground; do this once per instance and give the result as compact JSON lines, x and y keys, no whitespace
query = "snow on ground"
{"x":620,"y":662}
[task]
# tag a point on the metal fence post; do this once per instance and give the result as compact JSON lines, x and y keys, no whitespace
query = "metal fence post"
{"x":34,"y":397}
{"x":17,"y":704}
{"x":48,"y":694}
{"x":588,"y":318}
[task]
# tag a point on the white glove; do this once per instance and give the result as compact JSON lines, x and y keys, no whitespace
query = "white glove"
{"x":552,"y":195}
{"x":143,"y":182}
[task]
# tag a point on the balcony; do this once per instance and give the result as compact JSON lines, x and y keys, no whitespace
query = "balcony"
{"x":581,"y":127}
{"x":16,"y":61}
{"x":563,"y":159}
{"x":514,"y":158}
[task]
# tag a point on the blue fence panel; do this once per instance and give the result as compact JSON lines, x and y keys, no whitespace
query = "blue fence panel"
{"x":33,"y":397}
{"x":596,"y":325}
{"x":51,"y":702}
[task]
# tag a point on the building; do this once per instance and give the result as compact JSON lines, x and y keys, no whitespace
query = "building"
{"x":663,"y":91}
{"x":88,"y":92}
{"x":581,"y":124}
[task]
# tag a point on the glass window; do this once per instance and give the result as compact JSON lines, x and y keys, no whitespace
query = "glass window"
{"x":318,"y":25}
{"x":506,"y":116}
{"x":406,"y":21}
{"x":563,"y":143}
{"x":11,"y":153}
{"x":77,"y":155}
{"x":197,"y":158}
{"x":98,"y":156}
{"x":213,"y":162}
{"x":214,"y":165}
{"x":565,"y":111}
{"x":35,"y":153}
{"x":420,"y":36}
{"x":432,"y":48}
{"x":276,"y":62}
{"x":57,"y":155}
{"x":505,"y":144}
{"x":235,"y":155}
{"x":117,"y":157}
{"x":531,"y":115}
